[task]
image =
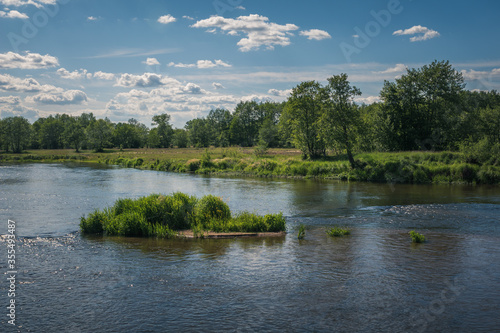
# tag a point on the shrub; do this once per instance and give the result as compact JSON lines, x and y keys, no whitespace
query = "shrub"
{"x":416,"y":237}
{"x":94,"y":223}
{"x":211,"y":207}
{"x":338,"y":232}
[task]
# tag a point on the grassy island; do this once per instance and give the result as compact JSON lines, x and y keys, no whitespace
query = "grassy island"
{"x":173,"y":215}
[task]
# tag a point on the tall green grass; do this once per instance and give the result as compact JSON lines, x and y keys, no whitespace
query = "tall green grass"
{"x":162,"y":216}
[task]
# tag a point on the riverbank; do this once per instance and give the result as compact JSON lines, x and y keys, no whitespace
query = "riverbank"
{"x":399,"y":167}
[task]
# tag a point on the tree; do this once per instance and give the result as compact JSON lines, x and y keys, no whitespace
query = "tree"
{"x":180,"y":139}
{"x":422,"y":107}
{"x":16,"y":133}
{"x":341,"y":117}
{"x":164,"y":129}
{"x":219,"y":121}
{"x":245,"y":124}
{"x":74,"y":134}
{"x":198,"y":132}
{"x":99,"y":134}
{"x":301,"y":118}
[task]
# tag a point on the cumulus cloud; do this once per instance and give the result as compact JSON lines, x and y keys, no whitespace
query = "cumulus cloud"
{"x":480,"y":75}
{"x":202,"y":64}
{"x":63,"y":98}
{"x":75,"y":75}
{"x":36,"y":3}
{"x":11,"y":83}
{"x":151,"y":62}
{"x":11,"y":60}
{"x":423,"y":33}
{"x":188,"y":18}
{"x":11,"y":100}
{"x":166,"y":19}
{"x":13,"y":14}
{"x":217,"y":85}
{"x":315,"y":34}
{"x":280,"y":93}
{"x":399,"y":68}
{"x":258,"y":30}
{"x":144,"y":80}
{"x":184,"y":100}
{"x":84,"y":74}
{"x":104,"y":76}
{"x":367,"y":100}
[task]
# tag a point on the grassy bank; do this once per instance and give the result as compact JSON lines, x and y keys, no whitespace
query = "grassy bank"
{"x":163,"y":216}
{"x":400,"y":167}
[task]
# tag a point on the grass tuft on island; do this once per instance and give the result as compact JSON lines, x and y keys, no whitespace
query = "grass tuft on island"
{"x":170,"y":216}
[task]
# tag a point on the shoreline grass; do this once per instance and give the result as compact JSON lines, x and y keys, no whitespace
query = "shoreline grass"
{"x":399,"y":167}
{"x":166,"y":216}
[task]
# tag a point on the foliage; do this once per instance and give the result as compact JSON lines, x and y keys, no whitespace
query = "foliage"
{"x":301,"y":119}
{"x":416,"y":237}
{"x":161,"y":216}
{"x":338,"y":232}
{"x":302,"y":232}
{"x":341,"y":117}
{"x":211,"y":208}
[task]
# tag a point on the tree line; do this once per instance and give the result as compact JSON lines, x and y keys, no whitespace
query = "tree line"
{"x":427,"y":108}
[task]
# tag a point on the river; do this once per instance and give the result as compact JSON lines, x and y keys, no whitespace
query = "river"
{"x":374,"y":280}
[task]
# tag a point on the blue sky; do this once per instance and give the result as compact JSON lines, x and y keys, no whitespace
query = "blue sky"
{"x":125,"y":59}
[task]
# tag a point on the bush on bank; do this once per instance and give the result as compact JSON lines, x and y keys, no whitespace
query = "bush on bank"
{"x":162,"y":216}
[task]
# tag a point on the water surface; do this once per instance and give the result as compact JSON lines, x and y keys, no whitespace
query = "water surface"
{"x":373,"y":280}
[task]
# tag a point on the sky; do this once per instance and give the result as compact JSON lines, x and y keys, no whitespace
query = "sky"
{"x":125,"y":59}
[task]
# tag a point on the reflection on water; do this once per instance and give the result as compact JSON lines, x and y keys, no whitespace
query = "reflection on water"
{"x":372,"y":281}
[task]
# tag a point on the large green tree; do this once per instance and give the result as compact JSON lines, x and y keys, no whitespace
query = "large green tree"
{"x":164,"y":129}
{"x":341,"y":118}
{"x":99,"y":134}
{"x":16,"y":134}
{"x":301,"y":118}
{"x":422,"y":107}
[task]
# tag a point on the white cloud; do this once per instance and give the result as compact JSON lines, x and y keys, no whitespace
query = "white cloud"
{"x":241,"y":8}
{"x":259,"y":31}
{"x":11,"y":83}
{"x":36,"y":3}
{"x":75,"y":75}
{"x":104,"y":76}
{"x":13,"y":14}
{"x":280,"y":93}
{"x":188,"y":17}
{"x":144,"y":80}
{"x":166,"y":19}
{"x":151,"y":62}
{"x":217,"y":86}
{"x":93,"y":18}
{"x":11,"y":100}
{"x":202,"y":64}
{"x":315,"y":34}
{"x":399,"y":68}
{"x":423,"y":32}
{"x":27,"y":60}
{"x":367,"y":100}
{"x":480,"y":75}
{"x":63,"y":98}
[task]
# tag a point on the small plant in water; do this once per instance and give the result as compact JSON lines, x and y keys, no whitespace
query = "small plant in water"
{"x":416,"y":237}
{"x":338,"y":232}
{"x":302,"y":232}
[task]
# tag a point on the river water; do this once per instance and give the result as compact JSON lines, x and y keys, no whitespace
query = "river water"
{"x":374,"y":280}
